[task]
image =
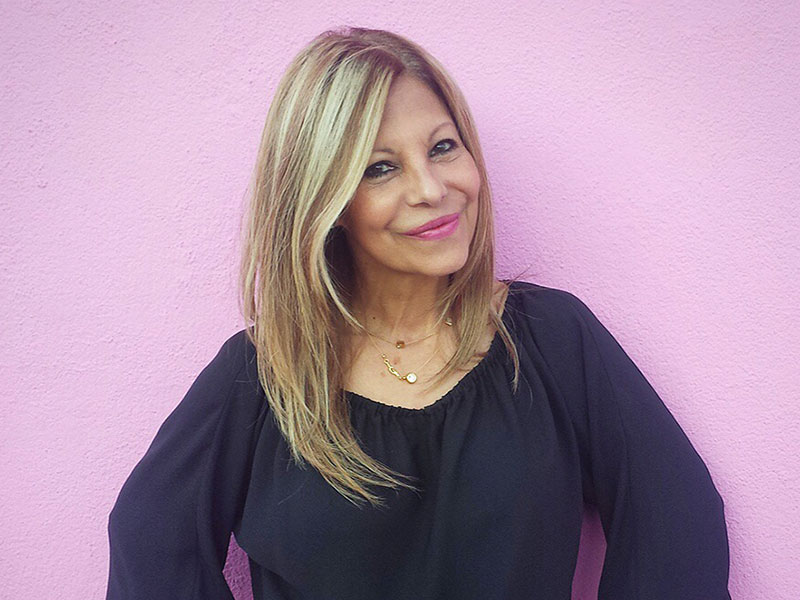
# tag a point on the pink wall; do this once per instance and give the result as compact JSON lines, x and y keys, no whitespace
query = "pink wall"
{"x":646,"y":159}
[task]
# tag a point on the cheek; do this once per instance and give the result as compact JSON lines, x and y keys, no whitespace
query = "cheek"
{"x":367,"y":213}
{"x":469,"y":176}
{"x":476,"y":178}
{"x":471,"y":187}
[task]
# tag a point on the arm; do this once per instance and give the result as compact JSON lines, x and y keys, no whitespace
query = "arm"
{"x":170,"y":526}
{"x":662,"y":515}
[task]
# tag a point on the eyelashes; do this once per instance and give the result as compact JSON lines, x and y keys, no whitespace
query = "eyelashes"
{"x":382,"y":168}
{"x":377,"y":170}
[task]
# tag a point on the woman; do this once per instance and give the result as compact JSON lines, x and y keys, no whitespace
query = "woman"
{"x":455,"y":424}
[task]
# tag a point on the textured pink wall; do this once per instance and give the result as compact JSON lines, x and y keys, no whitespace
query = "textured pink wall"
{"x":646,"y":159}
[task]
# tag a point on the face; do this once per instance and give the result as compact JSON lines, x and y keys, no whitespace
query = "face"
{"x":419,"y":170}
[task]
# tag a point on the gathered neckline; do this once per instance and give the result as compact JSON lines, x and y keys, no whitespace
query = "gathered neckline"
{"x":458,"y":390}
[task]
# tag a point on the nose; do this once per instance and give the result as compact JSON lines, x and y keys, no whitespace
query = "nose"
{"x":426,"y":185}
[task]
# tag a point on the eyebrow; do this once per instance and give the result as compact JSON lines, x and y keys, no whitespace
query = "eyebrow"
{"x":433,"y":133}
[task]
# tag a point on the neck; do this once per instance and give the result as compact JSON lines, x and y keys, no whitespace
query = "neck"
{"x":400,"y":307}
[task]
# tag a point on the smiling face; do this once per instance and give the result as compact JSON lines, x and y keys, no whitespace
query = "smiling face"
{"x":419,"y":170}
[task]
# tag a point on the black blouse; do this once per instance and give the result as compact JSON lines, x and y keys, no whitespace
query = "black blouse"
{"x":503,"y":479}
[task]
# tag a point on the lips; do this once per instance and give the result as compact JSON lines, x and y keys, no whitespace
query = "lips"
{"x":432,"y":224}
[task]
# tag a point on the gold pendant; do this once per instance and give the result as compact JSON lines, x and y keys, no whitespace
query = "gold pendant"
{"x":411,"y":377}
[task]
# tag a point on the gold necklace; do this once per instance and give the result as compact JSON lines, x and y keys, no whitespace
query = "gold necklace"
{"x":411,"y":376}
{"x":400,"y":344}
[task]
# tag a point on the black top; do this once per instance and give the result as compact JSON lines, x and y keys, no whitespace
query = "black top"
{"x":504,"y":479}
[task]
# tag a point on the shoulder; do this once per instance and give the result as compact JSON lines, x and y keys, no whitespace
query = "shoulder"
{"x":544,"y":307}
{"x":557,"y":322}
{"x":228,"y":381}
{"x":236,"y":358}
{"x":236,"y":351}
{"x":565,"y":329}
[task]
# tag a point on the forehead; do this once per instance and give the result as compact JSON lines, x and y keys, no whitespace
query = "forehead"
{"x":411,"y":107}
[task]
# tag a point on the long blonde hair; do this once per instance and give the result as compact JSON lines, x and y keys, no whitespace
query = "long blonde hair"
{"x":296,"y":277}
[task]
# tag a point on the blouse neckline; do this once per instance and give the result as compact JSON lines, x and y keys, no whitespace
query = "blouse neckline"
{"x":464,"y":384}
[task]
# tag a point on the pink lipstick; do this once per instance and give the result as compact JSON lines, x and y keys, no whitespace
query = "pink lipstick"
{"x":436,"y":229}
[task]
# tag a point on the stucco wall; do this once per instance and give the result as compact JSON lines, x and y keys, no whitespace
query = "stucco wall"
{"x":645,"y":158}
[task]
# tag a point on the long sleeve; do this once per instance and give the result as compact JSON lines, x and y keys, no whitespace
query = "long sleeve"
{"x":170,"y":526}
{"x":662,"y":515}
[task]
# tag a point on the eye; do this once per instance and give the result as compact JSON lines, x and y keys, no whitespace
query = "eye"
{"x":444,"y":146}
{"x":377,"y":170}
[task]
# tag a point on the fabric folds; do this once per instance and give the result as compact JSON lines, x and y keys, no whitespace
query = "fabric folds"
{"x":503,"y":477}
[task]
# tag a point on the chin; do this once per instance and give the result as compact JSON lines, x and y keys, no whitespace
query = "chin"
{"x":442,"y":268}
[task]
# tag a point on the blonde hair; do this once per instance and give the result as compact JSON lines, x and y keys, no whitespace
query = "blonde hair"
{"x":296,"y":277}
